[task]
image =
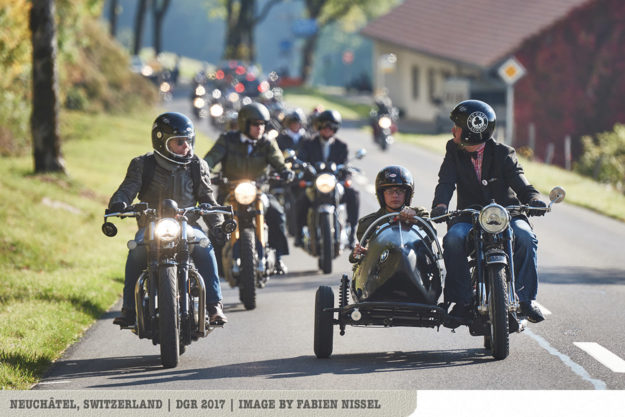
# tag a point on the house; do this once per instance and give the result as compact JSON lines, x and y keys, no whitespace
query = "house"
{"x":446,"y":50}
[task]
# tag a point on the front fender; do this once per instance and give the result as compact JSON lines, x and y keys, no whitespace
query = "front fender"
{"x":496,"y":256}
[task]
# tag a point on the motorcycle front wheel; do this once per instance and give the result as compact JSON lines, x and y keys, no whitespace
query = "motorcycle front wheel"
{"x":327,"y":240}
{"x":497,"y":312}
{"x":247,"y":281}
{"x":168,"y":332}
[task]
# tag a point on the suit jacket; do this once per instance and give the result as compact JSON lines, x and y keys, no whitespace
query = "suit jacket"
{"x":285,"y":141}
{"x":503,"y":179}
{"x":310,"y":151}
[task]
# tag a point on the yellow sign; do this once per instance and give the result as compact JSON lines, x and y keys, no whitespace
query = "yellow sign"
{"x":511,"y":71}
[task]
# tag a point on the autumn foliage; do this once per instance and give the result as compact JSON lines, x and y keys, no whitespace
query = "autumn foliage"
{"x":574,"y":83}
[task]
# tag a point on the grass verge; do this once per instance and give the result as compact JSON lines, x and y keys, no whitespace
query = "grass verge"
{"x":308,"y":98}
{"x":59,"y":272}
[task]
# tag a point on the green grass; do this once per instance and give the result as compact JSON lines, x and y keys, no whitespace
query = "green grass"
{"x":59,"y":273}
{"x":308,"y":98}
{"x":580,"y":190}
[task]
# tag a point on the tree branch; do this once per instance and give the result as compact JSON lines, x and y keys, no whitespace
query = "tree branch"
{"x":265,"y":11}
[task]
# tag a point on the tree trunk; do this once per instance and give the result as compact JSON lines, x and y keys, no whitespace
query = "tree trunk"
{"x":159,"y":15}
{"x":239,"y":31}
{"x":44,"y":118}
{"x":139,"y":21}
{"x":308,"y":55}
{"x":113,"y":6}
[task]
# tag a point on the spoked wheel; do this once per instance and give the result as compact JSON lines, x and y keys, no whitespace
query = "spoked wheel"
{"x":168,"y":332}
{"x":324,"y":329}
{"x":498,"y":312}
{"x":326,"y":239}
{"x":247,"y":281}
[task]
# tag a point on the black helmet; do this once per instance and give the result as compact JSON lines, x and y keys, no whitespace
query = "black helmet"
{"x":394,"y":176}
{"x":169,"y":126}
{"x":251,"y":112}
{"x":328,"y":117}
{"x":477,"y":120}
{"x":296,"y":115}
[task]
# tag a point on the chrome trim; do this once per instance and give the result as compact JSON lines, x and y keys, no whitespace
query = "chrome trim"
{"x":140,"y":329}
{"x":201,"y":331}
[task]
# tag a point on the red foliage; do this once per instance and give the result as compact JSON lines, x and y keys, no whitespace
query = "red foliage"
{"x":575,"y":83}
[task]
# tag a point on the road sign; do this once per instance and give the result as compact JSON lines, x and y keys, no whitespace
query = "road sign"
{"x":511,"y":71}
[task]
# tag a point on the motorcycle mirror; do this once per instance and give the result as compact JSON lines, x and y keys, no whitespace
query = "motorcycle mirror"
{"x":109,"y":229}
{"x":557,"y":194}
{"x":229,"y":226}
{"x":360,"y":153}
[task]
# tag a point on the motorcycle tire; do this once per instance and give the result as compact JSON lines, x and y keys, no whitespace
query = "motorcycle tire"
{"x":324,"y":327}
{"x":327,"y":241}
{"x":247,"y":275}
{"x":498,"y":311}
{"x":168,"y":331}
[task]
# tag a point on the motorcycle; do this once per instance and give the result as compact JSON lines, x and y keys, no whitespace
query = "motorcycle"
{"x":170,"y":294}
{"x":247,"y":260}
{"x":326,"y":232}
{"x":287,"y":194}
{"x":384,"y":126}
{"x":400,"y":278}
{"x":198,"y":101}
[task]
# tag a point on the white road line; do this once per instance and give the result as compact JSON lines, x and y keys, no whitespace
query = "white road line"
{"x":575,"y":367}
{"x":66,"y":381}
{"x":542,"y":308}
{"x":603,"y":355}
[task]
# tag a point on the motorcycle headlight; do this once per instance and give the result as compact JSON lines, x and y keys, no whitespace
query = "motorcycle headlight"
{"x":233,"y":97}
{"x":216,"y":93}
{"x":165,"y":87}
{"x":167,"y":230}
{"x":272,"y":134}
{"x":216,"y":110}
{"x":245,"y":193}
{"x":494,"y":218}
{"x":385,"y":122}
{"x":199,"y":102}
{"x":325,"y":183}
{"x":200,"y":90}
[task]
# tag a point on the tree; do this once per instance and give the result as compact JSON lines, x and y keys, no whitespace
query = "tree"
{"x":113,"y":12}
{"x":44,"y":118}
{"x":142,"y":6}
{"x":159,"y":8}
{"x":241,"y":21}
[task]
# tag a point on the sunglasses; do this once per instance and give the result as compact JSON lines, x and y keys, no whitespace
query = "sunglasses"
{"x":257,"y":123}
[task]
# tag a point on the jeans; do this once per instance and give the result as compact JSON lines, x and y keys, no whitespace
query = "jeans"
{"x":458,"y":282}
{"x":204,"y":259}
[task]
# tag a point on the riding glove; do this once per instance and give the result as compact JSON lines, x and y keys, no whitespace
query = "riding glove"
{"x":438,"y":211}
{"x":537,"y":203}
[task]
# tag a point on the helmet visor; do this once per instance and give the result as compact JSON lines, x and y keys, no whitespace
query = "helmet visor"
{"x":180,"y":145}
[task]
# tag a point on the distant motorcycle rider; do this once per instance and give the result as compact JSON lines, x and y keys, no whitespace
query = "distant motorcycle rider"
{"x":171,"y":171}
{"x":394,"y":187}
{"x":484,"y":170}
{"x":246,"y":153}
{"x":326,"y":147}
{"x":293,"y":133}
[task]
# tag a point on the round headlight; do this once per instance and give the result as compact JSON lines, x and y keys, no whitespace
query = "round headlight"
{"x":165,"y":87}
{"x":199,"y":102}
{"x":216,"y":93}
{"x":325,"y":183}
{"x":384,"y":122}
{"x":245,"y":193}
{"x":216,"y":110}
{"x":167,"y":230}
{"x":494,"y":218}
{"x":200,"y":90}
{"x":233,"y":97}
{"x":272,"y":134}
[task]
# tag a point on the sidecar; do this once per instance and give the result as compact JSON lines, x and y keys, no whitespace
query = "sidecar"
{"x":396,"y":283}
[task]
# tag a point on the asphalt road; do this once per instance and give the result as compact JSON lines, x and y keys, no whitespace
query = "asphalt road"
{"x":582,"y":273}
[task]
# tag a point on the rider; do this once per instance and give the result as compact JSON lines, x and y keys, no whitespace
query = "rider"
{"x":245,"y":154}
{"x":394,"y":188}
{"x":293,"y":132}
{"x":172,"y":171}
{"x":325,"y":147}
{"x":484,"y":170}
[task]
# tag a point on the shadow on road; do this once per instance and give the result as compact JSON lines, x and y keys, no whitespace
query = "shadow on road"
{"x":582,"y":276}
{"x":145,"y":371}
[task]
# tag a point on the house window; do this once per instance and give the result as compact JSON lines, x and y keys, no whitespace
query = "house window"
{"x":415,"y":82}
{"x":432,"y":84}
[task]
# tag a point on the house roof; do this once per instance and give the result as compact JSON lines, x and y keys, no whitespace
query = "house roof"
{"x":475,"y":32}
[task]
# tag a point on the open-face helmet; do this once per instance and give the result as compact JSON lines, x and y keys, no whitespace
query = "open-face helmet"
{"x":172,"y":126}
{"x":394,"y":176}
{"x":476,"y":119}
{"x":251,"y":113}
{"x":330,"y":118}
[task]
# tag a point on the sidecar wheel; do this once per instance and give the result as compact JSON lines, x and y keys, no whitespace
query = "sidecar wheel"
{"x":327,"y":240}
{"x":247,"y":281}
{"x":324,"y":328}
{"x":168,"y":332}
{"x":498,"y":311}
